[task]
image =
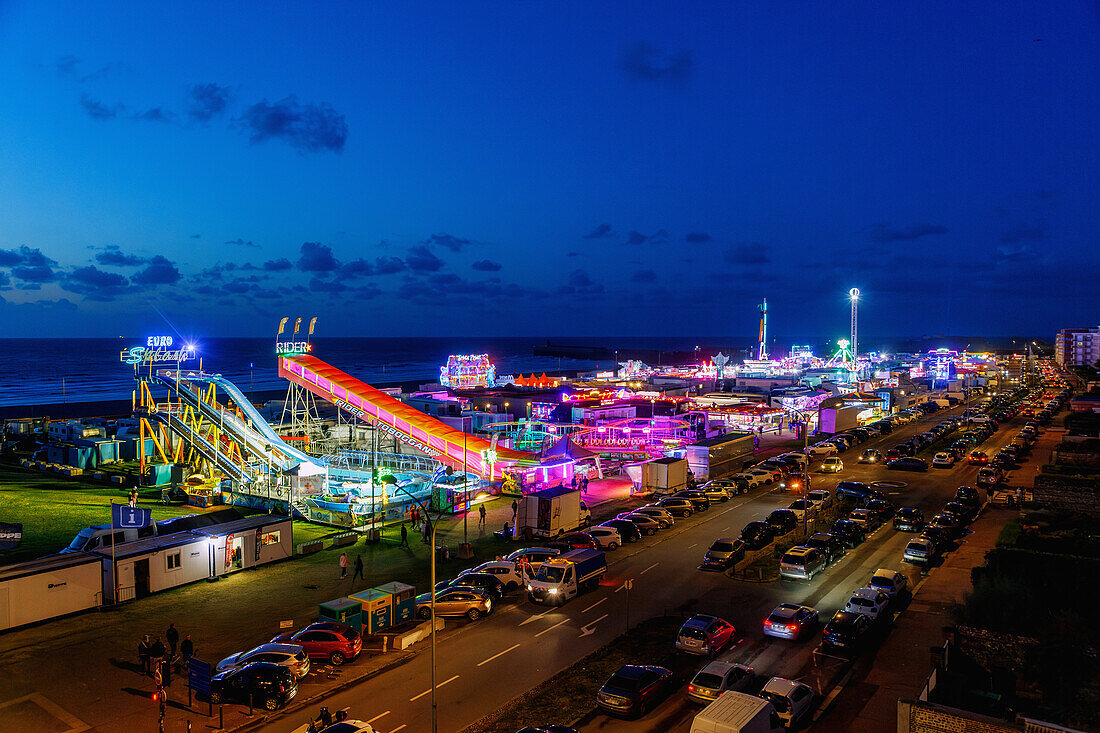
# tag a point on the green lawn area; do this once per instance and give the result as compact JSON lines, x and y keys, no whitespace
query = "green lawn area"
{"x":52,"y":509}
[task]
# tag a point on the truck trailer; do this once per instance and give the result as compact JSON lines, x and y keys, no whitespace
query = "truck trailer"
{"x":565,"y":576}
{"x":551,"y":512}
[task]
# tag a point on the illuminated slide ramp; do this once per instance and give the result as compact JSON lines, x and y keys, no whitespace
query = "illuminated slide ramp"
{"x":407,"y":424}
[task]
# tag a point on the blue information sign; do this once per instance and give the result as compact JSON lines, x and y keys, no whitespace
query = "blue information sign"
{"x":124,"y":516}
{"x":198,"y":675}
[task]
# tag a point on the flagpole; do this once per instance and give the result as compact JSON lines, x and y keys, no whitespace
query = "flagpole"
{"x":114,"y":564}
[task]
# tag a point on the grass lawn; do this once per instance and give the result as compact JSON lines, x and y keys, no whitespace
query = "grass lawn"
{"x":52,"y":509}
{"x":571,"y":693}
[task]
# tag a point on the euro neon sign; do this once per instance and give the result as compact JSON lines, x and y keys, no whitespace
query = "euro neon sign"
{"x":292,"y":347}
{"x":157,"y":349}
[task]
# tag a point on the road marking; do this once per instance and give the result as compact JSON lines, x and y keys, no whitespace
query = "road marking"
{"x":594,"y":605}
{"x":559,"y":623}
{"x":649,"y":568}
{"x":693,"y":544}
{"x":590,"y":628}
{"x":378,"y":717}
{"x":403,"y":726}
{"x":494,"y":657}
{"x":537,"y":616}
{"x":725,"y":529}
{"x":428,"y":691}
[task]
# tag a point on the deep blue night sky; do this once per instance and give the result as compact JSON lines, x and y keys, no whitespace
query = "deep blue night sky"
{"x":549,"y":168}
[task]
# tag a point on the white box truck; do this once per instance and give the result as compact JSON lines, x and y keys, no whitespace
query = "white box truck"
{"x":562,"y":577}
{"x":736,"y":712}
{"x":551,"y":512}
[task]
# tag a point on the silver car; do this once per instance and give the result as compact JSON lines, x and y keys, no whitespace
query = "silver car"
{"x":291,"y":656}
{"x":717,"y":677}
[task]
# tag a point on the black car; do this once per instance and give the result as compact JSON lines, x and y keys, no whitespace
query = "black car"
{"x":627,"y":529}
{"x":757,"y":534}
{"x":908,"y":464}
{"x":881,"y":508}
{"x":909,"y":519}
{"x":784,"y":520}
{"x":698,"y":499}
{"x":952,"y":524}
{"x":270,"y":686}
{"x":846,"y":630}
{"x":940,"y":537}
{"x":829,"y":544}
{"x":634,"y":689}
{"x":723,"y":553}
{"x":905,"y":449}
{"x":962,"y":510}
{"x":487,"y":582}
{"x":677,"y":506}
{"x":848,"y":532}
{"x":969,"y":496}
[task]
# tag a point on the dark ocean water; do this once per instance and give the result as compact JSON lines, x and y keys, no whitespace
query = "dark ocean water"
{"x":48,"y":371}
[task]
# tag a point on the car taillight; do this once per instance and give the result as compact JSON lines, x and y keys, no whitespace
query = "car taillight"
{"x":691,"y":688}
{"x":282,"y":688}
{"x":792,"y":627}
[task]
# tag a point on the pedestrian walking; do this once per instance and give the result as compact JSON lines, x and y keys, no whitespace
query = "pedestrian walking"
{"x":425,"y":531}
{"x":358,"y":568}
{"x":343,"y":564}
{"x":404,"y":536}
{"x":187,"y":648}
{"x":144,"y":651}
{"x":584,"y":486}
{"x":133,"y":499}
{"x":515,"y":508}
{"x":172,"y":636}
{"x":481,"y":514}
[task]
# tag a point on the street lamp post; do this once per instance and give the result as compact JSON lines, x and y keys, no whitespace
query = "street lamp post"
{"x":805,"y":417}
{"x":432,"y":581}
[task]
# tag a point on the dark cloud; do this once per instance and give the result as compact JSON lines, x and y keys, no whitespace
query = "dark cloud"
{"x":644,"y":276}
{"x":884,"y":233}
{"x":318,"y":285}
{"x":317,"y":257}
{"x":420,"y":259}
{"x":388,"y":265}
{"x":580,"y":284}
{"x":486,"y":266}
{"x":644,"y":62}
{"x":239,"y":286}
{"x":97,"y":110}
{"x":29,"y":266}
{"x":696,"y":237}
{"x":449,"y":241}
{"x":599,"y":232}
{"x":113,"y":256}
{"x":160,"y":271}
{"x":94,"y":284}
{"x":207,"y":101}
{"x":1023,"y":233}
{"x":572,"y":254}
{"x":24,"y":256}
{"x":638,"y":238}
{"x":278,"y":265}
{"x":310,"y":127}
{"x":746,"y":254}
{"x":66,"y":65}
{"x":242,"y":243}
{"x":357,"y":268}
{"x":154,"y":114}
{"x":196,"y":236}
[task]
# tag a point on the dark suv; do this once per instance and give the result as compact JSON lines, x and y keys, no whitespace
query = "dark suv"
{"x":784,"y":520}
{"x":627,"y":529}
{"x":756,"y":535}
{"x":268,"y":685}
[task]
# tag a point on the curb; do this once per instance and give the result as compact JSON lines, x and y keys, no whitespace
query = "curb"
{"x":316,"y":697}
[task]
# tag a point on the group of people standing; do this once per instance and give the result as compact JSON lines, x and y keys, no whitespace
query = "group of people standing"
{"x":156,"y":658}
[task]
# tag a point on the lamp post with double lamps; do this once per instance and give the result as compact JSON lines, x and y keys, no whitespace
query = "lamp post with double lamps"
{"x":805,"y":417}
{"x":432,"y":552}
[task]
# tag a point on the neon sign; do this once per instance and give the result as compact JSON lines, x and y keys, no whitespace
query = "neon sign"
{"x":284,"y":348}
{"x":157,"y":349}
{"x":463,"y":371}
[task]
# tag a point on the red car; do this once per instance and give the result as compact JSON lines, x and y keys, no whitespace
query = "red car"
{"x":977,"y":458}
{"x":328,"y":640}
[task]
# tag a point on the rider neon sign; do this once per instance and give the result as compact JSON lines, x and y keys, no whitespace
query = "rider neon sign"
{"x":284,"y":348}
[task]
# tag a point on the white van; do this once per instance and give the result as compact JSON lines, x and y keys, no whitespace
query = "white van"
{"x":736,"y":712}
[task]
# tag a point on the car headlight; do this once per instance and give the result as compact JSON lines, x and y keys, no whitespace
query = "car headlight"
{"x":553,"y":591}
{"x":529,"y":587}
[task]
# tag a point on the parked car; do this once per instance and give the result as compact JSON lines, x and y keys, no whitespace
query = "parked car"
{"x":846,"y":630}
{"x":270,"y":686}
{"x":488,"y":582}
{"x":461,"y":600}
{"x":784,"y":520}
{"x":869,"y":602}
{"x":909,"y":519}
{"x":864,"y":518}
{"x":574,"y":541}
{"x":627,"y":529}
{"x":881,"y":508}
{"x":676,"y":506}
{"x":646,"y":525}
{"x":829,"y":544}
{"x":908,"y":464}
{"x":940,"y":537}
{"x":328,"y":640}
{"x":753,"y":479}
{"x":792,"y":700}
{"x":832,"y":465}
{"x":801,"y":563}
{"x":820,"y":497}
{"x":977,"y":457}
{"x":507,"y":571}
{"x":990,"y":476}
{"x":856,"y":490}
{"x":968,"y":495}
{"x":821,"y":449}
{"x":848,"y":532}
{"x":712,"y":680}
{"x":663,"y":516}
{"x":291,"y":656}
{"x":791,"y":621}
{"x":715,"y":492}
{"x":959,"y":509}
{"x":890,"y":582}
{"x":919,"y":550}
{"x":698,"y":499}
{"x":634,"y":689}
{"x":607,"y":538}
{"x":756,"y":535}
{"x":534,"y":556}
{"x":704,"y":634}
{"x":802,"y":508}
{"x":796,"y":482}
{"x":952,"y":524}
{"x":723,"y":553}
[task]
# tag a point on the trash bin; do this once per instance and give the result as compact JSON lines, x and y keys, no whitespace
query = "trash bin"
{"x":343,"y":610}
{"x":403,"y":603}
{"x":377,"y":608}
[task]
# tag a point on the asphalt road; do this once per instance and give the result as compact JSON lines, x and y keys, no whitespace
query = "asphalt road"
{"x":484,"y":664}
